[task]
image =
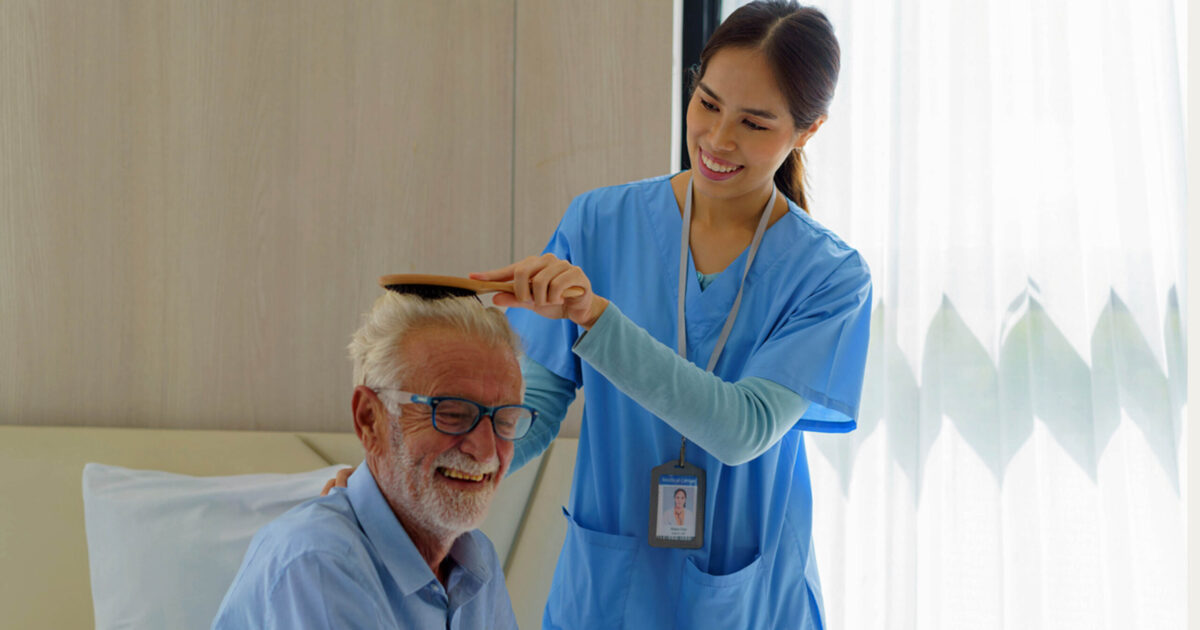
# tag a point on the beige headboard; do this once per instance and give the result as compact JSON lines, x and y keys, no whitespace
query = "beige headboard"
{"x":43,"y":547}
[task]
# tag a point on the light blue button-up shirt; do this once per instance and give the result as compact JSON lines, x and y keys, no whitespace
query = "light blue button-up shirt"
{"x":344,"y":561}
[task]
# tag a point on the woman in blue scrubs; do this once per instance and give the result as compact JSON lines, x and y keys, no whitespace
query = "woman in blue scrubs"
{"x":718,"y":314}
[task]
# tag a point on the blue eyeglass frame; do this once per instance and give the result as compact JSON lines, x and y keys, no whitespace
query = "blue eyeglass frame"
{"x":482,"y":410}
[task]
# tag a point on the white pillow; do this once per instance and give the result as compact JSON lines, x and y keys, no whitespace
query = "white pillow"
{"x":163,"y":548}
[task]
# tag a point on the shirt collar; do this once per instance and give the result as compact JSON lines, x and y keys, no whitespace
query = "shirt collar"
{"x":467,"y":554}
{"x":393,"y":544}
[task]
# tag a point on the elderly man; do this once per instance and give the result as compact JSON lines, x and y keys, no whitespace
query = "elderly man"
{"x":437,"y":404}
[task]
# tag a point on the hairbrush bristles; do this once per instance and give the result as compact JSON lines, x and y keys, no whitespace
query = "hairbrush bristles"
{"x":431,"y":291}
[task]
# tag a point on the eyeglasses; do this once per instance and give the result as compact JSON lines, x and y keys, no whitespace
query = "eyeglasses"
{"x":456,"y":416}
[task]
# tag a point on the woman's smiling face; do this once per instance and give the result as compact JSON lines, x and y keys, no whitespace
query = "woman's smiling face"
{"x":739,"y":126}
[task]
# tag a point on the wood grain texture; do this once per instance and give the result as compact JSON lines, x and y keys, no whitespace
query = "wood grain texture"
{"x":593,"y":90}
{"x":196,"y":199}
{"x":593,"y":108}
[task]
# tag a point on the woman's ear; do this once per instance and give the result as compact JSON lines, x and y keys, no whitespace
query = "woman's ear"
{"x":808,"y":133}
{"x":370,"y":421}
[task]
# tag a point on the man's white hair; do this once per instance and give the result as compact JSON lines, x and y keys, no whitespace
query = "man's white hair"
{"x":375,"y":346}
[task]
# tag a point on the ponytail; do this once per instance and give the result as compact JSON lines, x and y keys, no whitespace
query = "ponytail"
{"x":789,"y":179}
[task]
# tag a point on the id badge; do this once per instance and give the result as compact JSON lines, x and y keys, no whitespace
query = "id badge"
{"x":677,"y":505}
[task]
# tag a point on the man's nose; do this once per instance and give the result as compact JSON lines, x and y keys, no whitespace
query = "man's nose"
{"x":480,"y":443}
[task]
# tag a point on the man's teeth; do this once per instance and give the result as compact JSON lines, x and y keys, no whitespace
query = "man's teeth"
{"x":713,"y":166}
{"x":458,"y":474}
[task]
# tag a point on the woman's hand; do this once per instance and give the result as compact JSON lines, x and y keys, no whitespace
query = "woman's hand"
{"x":339,"y":481}
{"x":538,"y":285}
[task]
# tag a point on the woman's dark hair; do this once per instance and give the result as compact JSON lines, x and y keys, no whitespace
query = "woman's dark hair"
{"x":801,"y":49}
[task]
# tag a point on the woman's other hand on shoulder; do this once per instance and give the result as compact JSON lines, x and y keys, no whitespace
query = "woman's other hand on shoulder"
{"x":341,"y":480}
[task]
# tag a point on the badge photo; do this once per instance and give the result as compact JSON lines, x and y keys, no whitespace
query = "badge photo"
{"x":677,"y":506}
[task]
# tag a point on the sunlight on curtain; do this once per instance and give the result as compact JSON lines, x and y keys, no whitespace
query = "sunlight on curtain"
{"x":1014,"y":173}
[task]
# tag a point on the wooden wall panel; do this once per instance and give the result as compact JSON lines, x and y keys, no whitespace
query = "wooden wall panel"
{"x":594,"y":103}
{"x":196,"y":198}
{"x":593,"y":108}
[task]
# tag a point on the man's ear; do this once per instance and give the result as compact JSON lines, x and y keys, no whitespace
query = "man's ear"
{"x":370,"y":420}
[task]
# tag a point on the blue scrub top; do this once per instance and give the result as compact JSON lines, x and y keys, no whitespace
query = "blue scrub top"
{"x":803,"y":324}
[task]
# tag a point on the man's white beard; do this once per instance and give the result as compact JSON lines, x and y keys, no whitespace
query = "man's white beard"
{"x":434,"y":506}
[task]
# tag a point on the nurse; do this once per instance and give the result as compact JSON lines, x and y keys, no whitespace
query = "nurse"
{"x":720,"y":322}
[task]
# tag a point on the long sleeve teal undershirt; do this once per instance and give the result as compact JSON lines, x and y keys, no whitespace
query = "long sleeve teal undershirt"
{"x":735,"y":422}
{"x":550,"y":394}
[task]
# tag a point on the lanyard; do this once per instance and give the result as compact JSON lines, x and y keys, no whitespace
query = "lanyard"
{"x":737,"y":302}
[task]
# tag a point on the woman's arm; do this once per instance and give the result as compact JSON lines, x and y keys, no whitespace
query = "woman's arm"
{"x":550,"y":394}
{"x":736,"y":422}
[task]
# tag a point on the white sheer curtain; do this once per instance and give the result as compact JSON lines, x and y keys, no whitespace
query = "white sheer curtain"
{"x":1014,"y":173}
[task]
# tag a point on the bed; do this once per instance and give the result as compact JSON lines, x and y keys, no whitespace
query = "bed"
{"x":155,"y":499}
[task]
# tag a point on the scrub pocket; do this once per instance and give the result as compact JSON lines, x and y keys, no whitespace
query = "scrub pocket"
{"x":719,"y":601}
{"x":594,"y":592}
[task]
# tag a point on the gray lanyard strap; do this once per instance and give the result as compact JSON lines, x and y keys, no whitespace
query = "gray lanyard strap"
{"x":684,"y":244}
{"x":737,"y":302}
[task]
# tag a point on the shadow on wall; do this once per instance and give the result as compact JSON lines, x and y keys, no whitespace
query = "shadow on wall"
{"x":1038,"y":375}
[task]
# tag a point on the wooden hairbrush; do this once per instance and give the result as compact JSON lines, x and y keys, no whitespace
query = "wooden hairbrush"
{"x":433,"y":287}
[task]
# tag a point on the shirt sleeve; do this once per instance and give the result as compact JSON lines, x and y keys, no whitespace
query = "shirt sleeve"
{"x":819,"y":350}
{"x":315,"y":590}
{"x":735,"y":422}
{"x":550,"y":394}
{"x":548,"y":341}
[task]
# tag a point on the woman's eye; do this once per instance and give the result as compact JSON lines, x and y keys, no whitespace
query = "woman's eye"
{"x":709,"y":106}
{"x":754,"y":126}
